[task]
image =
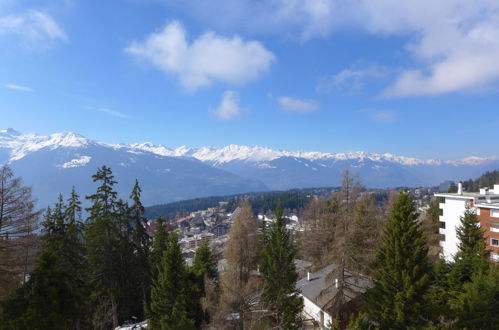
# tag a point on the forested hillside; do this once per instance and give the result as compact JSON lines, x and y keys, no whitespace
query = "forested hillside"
{"x":261,"y":202}
{"x":486,"y":180}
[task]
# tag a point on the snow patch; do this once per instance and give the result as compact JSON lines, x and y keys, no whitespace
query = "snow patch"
{"x":77,"y":162}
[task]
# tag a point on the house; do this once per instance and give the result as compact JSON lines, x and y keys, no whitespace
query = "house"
{"x":484,"y":203}
{"x":318,"y":290}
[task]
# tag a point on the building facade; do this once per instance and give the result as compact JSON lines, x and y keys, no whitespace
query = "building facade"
{"x":486,"y":206}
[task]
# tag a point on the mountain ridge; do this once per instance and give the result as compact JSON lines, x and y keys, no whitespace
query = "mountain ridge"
{"x":214,"y":155}
{"x":55,"y":162}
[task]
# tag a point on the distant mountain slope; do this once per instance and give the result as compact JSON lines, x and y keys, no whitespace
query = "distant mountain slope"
{"x":281,"y":170}
{"x":53,"y":163}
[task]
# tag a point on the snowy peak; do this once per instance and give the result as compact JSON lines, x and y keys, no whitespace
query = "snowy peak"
{"x":217,"y":156}
{"x":23,"y":144}
{"x":235,"y":152}
{"x":9,"y":132}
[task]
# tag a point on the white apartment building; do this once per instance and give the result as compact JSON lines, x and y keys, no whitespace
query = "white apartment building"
{"x":486,"y":205}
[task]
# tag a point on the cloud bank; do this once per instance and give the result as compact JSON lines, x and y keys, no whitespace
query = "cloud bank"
{"x":453,"y":45}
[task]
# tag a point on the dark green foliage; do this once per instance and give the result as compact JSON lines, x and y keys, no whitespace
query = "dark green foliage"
{"x":117,"y":247}
{"x":402,"y":274}
{"x":55,"y":295}
{"x":439,"y":294}
{"x":261,"y":202}
{"x":141,"y":245}
{"x":280,"y":276}
{"x":452,"y":188}
{"x":159,"y":246}
{"x":486,"y":180}
{"x":205,"y":273}
{"x":102,"y":240}
{"x":472,"y":255}
{"x":478,"y":303}
{"x":205,"y":263}
{"x":169,"y":308}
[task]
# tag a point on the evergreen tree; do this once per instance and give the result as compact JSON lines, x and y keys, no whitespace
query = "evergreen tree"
{"x":205,"y":263}
{"x":478,"y":303}
{"x":169,"y":308}
{"x":54,"y":296}
{"x":431,"y":225}
{"x":402,"y":274}
{"x":102,"y":233}
{"x":472,"y":256}
{"x":159,"y":246}
{"x":206,"y":273}
{"x":280,"y":276}
{"x":141,"y":244}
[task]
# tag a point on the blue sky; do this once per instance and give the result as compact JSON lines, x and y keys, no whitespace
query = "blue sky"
{"x":412,"y":78}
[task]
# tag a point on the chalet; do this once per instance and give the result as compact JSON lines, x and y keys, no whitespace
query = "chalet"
{"x":319,"y":289}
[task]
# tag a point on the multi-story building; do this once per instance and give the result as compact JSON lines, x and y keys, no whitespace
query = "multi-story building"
{"x":195,"y":241}
{"x":486,"y":206}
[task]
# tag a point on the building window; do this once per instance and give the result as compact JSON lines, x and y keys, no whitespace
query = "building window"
{"x":494,"y":213}
{"x":494,"y":242}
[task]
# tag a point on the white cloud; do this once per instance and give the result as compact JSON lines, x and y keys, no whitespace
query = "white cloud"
{"x":34,"y":26}
{"x":108,"y":111}
{"x":299,"y":19}
{"x":229,"y":107}
{"x":454,"y":44}
{"x":209,"y":58}
{"x":384,"y":116}
{"x":297,"y":105}
{"x":18,"y":87}
{"x":353,"y":78}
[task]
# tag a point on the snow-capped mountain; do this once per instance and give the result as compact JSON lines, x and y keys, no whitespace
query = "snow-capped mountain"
{"x":280,"y":169}
{"x":54,"y":163}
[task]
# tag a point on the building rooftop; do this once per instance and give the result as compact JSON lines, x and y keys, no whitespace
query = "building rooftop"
{"x":320,"y":288}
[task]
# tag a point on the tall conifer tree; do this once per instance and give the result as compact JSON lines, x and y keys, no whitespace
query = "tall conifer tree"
{"x":472,"y":256}
{"x":169,"y":308}
{"x":102,"y":233}
{"x":141,"y":243}
{"x":402,"y":274}
{"x":54,"y":297}
{"x":280,"y":276}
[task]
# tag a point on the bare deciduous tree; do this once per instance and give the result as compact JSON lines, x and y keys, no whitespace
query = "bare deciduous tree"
{"x":18,"y":223}
{"x":242,"y":252}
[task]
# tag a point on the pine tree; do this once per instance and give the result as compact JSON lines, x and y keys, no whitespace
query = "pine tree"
{"x":472,"y":256}
{"x":74,"y":252}
{"x":102,"y":233}
{"x":54,"y":296}
{"x":159,"y":246}
{"x":402,"y":274}
{"x":206,"y":274}
{"x":141,"y":244}
{"x":280,"y":276}
{"x":478,"y":303}
{"x":169,"y":296}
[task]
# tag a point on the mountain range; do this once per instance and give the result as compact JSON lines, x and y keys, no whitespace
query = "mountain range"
{"x":53,"y":164}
